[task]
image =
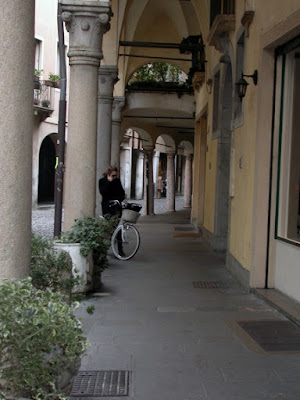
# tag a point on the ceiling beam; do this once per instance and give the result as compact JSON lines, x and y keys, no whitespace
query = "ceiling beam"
{"x":160,"y":45}
{"x":174,"y":127}
{"x":159,"y":58}
{"x":154,"y":117}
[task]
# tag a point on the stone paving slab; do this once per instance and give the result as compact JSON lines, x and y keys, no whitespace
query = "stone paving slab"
{"x":178,"y":341}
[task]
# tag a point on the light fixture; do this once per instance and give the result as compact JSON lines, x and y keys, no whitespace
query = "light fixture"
{"x":242,"y":83}
{"x":209,"y":83}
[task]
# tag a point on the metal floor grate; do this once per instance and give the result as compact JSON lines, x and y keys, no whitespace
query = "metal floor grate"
{"x":185,"y":228}
{"x":209,"y":285}
{"x":101,"y":384}
{"x":273,"y":335}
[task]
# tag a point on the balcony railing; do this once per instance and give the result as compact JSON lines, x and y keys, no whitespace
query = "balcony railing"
{"x":43,"y":99}
{"x":222,"y":21}
{"x":218,"y":7}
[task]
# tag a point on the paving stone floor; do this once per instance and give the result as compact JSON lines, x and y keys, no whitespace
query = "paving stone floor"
{"x":178,"y":340}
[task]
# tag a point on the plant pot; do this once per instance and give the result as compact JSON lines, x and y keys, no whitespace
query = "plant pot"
{"x":81,"y":265}
{"x":45,"y":103}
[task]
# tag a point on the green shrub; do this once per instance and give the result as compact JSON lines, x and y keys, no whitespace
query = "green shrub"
{"x":39,"y":337}
{"x":93,"y":234}
{"x":50,"y":268}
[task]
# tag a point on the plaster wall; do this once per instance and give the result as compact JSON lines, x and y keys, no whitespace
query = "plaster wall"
{"x":161,"y":101}
{"x":110,"y":39}
{"x":244,"y":137}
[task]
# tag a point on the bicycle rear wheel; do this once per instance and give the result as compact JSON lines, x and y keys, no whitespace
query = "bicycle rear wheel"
{"x":125,"y":241}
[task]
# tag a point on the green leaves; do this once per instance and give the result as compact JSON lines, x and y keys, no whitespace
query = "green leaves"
{"x":39,"y":336}
{"x":49,"y":268}
{"x":93,"y":234}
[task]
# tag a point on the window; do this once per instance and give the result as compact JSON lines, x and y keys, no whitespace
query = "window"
{"x":37,"y":54}
{"x":288,"y":199}
{"x":216,"y":102}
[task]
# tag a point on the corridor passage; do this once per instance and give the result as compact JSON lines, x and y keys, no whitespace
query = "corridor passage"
{"x":170,"y":324}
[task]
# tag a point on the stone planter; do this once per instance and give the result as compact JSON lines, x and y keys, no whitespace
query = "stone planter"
{"x":82,"y":266}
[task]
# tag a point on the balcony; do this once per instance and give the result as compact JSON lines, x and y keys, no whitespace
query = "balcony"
{"x":222,"y":21}
{"x":43,"y":99}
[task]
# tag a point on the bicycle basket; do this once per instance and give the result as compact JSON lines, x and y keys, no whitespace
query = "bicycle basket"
{"x":131,"y":212}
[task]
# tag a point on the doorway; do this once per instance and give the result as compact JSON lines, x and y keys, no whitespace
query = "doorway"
{"x":46,"y":171}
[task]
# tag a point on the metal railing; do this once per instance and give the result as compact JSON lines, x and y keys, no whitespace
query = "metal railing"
{"x":42,"y":94}
{"x":218,"y":7}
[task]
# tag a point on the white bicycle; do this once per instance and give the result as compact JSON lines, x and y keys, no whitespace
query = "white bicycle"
{"x":125,"y":240}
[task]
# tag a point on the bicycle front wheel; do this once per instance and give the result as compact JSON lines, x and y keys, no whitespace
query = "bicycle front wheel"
{"x":125,"y":241}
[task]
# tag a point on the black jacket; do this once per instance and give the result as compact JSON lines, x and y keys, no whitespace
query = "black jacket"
{"x":110,"y":191}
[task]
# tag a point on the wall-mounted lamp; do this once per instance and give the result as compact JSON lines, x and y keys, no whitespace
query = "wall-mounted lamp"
{"x":209,"y":83}
{"x":242,"y":83}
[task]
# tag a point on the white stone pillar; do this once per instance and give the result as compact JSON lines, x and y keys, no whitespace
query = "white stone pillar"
{"x":170,"y":182}
{"x":139,"y":176}
{"x":188,"y":181}
{"x":155,"y":171}
{"x":86,"y":23}
{"x":16,"y":125}
{"x":149,"y":189}
{"x":108,"y":76}
{"x":118,"y":104}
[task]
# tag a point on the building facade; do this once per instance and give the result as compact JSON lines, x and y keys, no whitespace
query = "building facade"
{"x":236,"y":136}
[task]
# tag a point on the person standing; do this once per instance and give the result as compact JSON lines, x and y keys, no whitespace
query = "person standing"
{"x":111,"y":188}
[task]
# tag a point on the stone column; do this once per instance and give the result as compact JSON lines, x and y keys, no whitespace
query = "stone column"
{"x":170,"y":182}
{"x":118,"y":104}
{"x":188,"y":181}
{"x":148,"y":181}
{"x":16,"y":127}
{"x":139,"y":176}
{"x":86,"y":22}
{"x":155,"y":171}
{"x":108,"y":76}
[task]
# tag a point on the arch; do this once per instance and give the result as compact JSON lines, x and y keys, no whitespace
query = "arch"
{"x":167,"y":143}
{"x":47,"y":158}
{"x":187,"y":146}
{"x":144,"y":136}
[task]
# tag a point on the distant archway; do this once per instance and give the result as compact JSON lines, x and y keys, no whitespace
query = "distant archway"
{"x":46,"y":171}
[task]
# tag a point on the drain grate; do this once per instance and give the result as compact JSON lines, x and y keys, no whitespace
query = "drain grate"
{"x":184,"y":228}
{"x":209,"y":285}
{"x":101,"y":384}
{"x":273,"y":335}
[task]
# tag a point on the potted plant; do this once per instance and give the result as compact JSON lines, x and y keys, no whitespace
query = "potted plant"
{"x":88,"y":242}
{"x":41,"y":342}
{"x":37,"y":75}
{"x":52,"y":269}
{"x":45,"y":103}
{"x":53,"y":80}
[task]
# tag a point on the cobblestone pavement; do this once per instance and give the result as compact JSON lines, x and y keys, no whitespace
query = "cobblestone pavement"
{"x":43,"y":216}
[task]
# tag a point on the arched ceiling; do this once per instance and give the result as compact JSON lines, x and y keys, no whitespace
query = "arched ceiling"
{"x":163,"y":21}
{"x":150,"y":22}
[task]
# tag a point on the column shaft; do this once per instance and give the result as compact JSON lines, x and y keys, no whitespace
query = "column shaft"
{"x":170,"y":182}
{"x":16,"y":126}
{"x":106,"y":80}
{"x":80,"y":172}
{"x":118,"y":104}
{"x":188,"y":181}
{"x":86,"y":23}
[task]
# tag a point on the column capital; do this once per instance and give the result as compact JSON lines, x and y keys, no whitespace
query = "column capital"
{"x":118,"y":104}
{"x":86,"y":23}
{"x":189,"y":156}
{"x":170,"y":154}
{"x":148,"y":149}
{"x":107,"y":78}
